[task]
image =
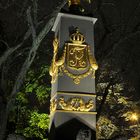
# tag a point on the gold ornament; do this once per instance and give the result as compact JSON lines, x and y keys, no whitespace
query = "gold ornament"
{"x":76,"y":2}
{"x":76,"y":77}
{"x":77,"y":37}
{"x":56,"y":63}
{"x":73,"y":2}
{"x":76,"y":57}
{"x":53,"y":105}
{"x":92,"y":60}
{"x":76,"y":104}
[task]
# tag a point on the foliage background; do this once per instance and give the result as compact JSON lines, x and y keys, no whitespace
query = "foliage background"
{"x":26,"y":53}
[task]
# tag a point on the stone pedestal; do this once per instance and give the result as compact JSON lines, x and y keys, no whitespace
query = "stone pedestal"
{"x":73,"y":106}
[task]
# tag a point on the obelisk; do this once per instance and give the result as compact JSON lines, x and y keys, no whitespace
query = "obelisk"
{"x":73,"y":97}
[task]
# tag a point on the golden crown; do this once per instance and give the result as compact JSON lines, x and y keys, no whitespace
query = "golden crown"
{"x":77,"y":37}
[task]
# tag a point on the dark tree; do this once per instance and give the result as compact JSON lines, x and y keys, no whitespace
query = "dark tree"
{"x":25,"y":42}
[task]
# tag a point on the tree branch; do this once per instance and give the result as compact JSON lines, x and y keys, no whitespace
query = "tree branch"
{"x":13,"y":49}
{"x":35,"y":9}
{"x":32,"y":54}
{"x":30,"y":22}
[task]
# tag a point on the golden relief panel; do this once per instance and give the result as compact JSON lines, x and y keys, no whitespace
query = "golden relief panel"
{"x":53,"y":106}
{"x":77,"y":56}
{"x":72,"y":104}
{"x":76,"y":104}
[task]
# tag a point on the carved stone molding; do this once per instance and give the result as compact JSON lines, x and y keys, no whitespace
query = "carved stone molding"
{"x":76,"y":104}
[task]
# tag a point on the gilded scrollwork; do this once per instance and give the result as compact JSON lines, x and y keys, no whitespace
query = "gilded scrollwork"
{"x":56,"y":63}
{"x":76,"y":77}
{"x":53,"y":105}
{"x":92,"y":60}
{"x":76,"y":104}
{"x":76,"y":56}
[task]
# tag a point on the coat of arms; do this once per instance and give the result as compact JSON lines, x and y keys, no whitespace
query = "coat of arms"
{"x":77,"y":56}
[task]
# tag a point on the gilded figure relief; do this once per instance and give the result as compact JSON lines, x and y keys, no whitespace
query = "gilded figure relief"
{"x":76,"y":104}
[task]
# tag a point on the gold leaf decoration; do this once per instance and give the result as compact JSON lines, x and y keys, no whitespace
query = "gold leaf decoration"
{"x":76,"y":104}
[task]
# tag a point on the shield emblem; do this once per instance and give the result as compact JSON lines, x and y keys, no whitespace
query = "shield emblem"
{"x":77,"y":56}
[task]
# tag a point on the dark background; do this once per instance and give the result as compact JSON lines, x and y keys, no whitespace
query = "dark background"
{"x":117,"y":42}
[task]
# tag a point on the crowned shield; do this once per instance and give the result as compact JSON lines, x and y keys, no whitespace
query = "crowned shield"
{"x":77,"y":56}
